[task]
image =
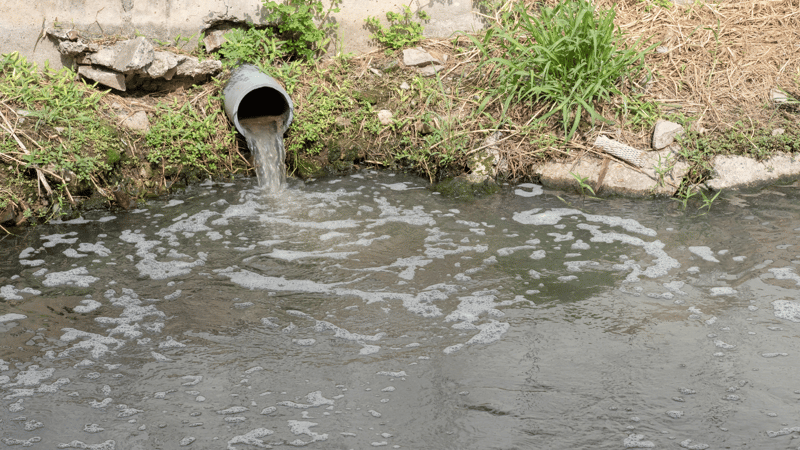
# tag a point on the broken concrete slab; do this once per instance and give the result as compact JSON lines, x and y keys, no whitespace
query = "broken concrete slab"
{"x":417,"y":57}
{"x":661,"y":175}
{"x":193,"y":67}
{"x":71,"y":48}
{"x":740,"y":172}
{"x":114,"y":80}
{"x":665,"y":133}
{"x":133,"y":55}
{"x":214,"y":40}
{"x":163,"y":63}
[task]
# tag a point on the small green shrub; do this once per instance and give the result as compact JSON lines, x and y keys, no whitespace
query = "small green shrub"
{"x":249,"y":46}
{"x":403,"y":30}
{"x":187,"y":136}
{"x":296,"y":21}
{"x":567,"y":56}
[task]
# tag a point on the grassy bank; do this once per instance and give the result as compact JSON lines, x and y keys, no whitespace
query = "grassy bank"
{"x":540,"y":83}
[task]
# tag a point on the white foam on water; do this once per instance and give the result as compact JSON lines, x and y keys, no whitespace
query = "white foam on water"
{"x":399,"y":374}
{"x":720,"y":344}
{"x":323,"y":225}
{"x":661,"y":266}
{"x":78,"y":277}
{"x":415,"y":216}
{"x":23,"y":442}
{"x":636,"y":441}
{"x":313,"y":399}
{"x":535,"y":190}
{"x":159,"y":357}
{"x":12,"y":317}
{"x":252,"y":437}
{"x":32,"y":263}
{"x":293,"y":255}
{"x":55,"y":239}
{"x":32,"y":376}
{"x":96,"y":344}
{"x":774,"y":354}
{"x":786,"y":273}
{"x":505,"y":251}
{"x":626,"y":224}
{"x":322,"y":326}
{"x":192,"y":380}
{"x":687,"y":443}
{"x":785,"y":309}
{"x":171,"y":343}
{"x":471,"y":307}
{"x":305,"y":342}
{"x":87,"y":306}
{"x":558,"y":237}
{"x":724,"y":290}
{"x":232,"y":410}
{"x":577,"y":266}
{"x":453,"y":349}
{"x":490,"y":332}
{"x":704,"y":252}
{"x":367,"y":349}
{"x":299,"y":428}
{"x":550,"y":217}
{"x":402,"y":186}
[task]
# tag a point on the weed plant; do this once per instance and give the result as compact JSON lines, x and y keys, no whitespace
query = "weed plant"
{"x":568,"y":56}
{"x":303,"y":25}
{"x":63,"y":130}
{"x":404,"y":29}
{"x":188,"y":137}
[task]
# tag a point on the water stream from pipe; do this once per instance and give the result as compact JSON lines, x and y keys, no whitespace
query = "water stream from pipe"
{"x":266,"y":142}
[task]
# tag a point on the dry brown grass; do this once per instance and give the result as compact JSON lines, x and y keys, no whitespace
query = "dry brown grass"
{"x":722,"y":59}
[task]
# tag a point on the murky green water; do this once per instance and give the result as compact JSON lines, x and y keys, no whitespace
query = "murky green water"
{"x":366,"y":312}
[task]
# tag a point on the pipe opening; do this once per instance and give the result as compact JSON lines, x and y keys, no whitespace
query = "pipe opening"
{"x":264,"y":101}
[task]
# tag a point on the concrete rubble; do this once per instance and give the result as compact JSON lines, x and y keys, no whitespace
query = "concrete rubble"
{"x":425,"y":63}
{"x":737,"y":172}
{"x":661,"y":174}
{"x":130,"y":61}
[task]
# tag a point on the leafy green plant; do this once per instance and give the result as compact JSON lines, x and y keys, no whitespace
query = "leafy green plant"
{"x":303,"y":24}
{"x":250,"y":46}
{"x":186,"y":136}
{"x":583,"y":184}
{"x":568,"y":56}
{"x":404,"y":30}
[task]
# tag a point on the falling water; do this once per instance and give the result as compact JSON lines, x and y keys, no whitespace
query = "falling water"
{"x":266,"y":142}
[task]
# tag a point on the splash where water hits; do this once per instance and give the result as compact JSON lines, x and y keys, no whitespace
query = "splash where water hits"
{"x":366,"y":311}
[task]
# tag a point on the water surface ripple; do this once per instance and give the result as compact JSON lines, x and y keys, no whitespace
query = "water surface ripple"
{"x":366,"y":312}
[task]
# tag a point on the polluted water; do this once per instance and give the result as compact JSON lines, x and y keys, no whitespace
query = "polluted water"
{"x":265,"y":140}
{"x":367,"y":311}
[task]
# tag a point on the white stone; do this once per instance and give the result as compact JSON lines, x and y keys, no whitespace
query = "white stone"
{"x":114,"y":80}
{"x":731,"y":172}
{"x":163,"y":63}
{"x":132,"y":55}
{"x":137,"y":121}
{"x":665,"y":133}
{"x":414,"y":57}
{"x":385,"y":116}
